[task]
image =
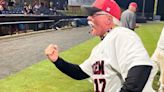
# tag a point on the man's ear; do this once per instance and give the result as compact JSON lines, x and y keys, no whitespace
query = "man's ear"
{"x":109,"y":20}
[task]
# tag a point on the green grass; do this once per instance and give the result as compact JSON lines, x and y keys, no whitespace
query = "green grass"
{"x":149,"y":34}
{"x":44,"y":77}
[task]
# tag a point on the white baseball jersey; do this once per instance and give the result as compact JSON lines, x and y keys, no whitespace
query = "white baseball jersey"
{"x":160,"y":48}
{"x":161,"y":40}
{"x":111,"y":59}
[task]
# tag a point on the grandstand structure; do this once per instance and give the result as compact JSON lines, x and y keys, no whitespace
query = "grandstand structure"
{"x":147,"y":8}
{"x":66,"y":9}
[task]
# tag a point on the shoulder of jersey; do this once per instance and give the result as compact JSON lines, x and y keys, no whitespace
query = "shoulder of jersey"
{"x":123,"y":32}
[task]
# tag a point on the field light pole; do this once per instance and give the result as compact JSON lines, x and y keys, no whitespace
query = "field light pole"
{"x":143,"y":9}
{"x":155,"y":7}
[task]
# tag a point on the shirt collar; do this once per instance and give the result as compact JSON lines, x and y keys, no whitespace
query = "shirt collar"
{"x":105,"y":34}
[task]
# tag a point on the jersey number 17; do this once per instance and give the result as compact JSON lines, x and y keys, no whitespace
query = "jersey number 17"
{"x":99,"y":85}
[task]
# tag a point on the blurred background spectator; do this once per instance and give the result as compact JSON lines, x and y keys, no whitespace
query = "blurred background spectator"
{"x":52,"y":9}
{"x":25,"y":8}
{"x":36,"y":7}
{"x":30,"y":9}
{"x":11,"y":5}
{"x":3,"y":4}
{"x":43,"y":9}
{"x":1,"y":9}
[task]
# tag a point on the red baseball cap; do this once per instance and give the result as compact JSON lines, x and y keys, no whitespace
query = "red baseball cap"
{"x":133,"y":4}
{"x":109,"y":6}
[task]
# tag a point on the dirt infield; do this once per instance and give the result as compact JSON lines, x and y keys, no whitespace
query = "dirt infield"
{"x":20,"y":52}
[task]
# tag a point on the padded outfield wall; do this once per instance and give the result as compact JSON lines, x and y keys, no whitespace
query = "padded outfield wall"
{"x":160,"y":8}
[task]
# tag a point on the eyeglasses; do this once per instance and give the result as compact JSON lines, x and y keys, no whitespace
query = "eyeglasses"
{"x":98,"y":14}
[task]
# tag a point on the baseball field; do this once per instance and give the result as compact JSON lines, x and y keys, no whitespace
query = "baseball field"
{"x":44,"y":77}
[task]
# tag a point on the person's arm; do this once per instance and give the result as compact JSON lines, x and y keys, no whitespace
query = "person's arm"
{"x":132,"y":21}
{"x":136,"y":79}
{"x":134,"y":62}
{"x":72,"y":70}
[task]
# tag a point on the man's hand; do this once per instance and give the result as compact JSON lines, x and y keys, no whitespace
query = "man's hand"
{"x":52,"y":52}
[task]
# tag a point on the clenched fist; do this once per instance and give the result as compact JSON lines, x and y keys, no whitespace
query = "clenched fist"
{"x":52,"y":52}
